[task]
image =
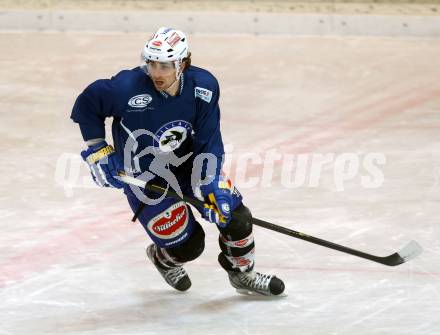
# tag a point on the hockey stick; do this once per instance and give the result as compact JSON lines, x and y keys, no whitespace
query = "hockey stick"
{"x":410,"y":251}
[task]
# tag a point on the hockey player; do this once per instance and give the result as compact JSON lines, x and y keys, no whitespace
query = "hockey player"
{"x":169,"y":108}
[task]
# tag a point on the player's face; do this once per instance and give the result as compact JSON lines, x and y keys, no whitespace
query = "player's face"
{"x":163,"y":74}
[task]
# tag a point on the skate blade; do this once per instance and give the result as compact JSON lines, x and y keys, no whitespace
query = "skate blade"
{"x":256,"y":294}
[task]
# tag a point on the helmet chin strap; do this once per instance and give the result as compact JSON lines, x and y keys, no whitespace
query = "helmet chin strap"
{"x":178,"y":75}
{"x":172,"y":84}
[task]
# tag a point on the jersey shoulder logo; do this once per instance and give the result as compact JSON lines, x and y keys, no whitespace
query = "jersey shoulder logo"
{"x":140,"y":101}
{"x":203,"y":93}
{"x":170,"y":136}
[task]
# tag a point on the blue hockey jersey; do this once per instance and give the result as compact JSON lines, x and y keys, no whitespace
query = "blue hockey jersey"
{"x":186,"y":123}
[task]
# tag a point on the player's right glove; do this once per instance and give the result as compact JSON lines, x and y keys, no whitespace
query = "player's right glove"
{"x":218,"y":201}
{"x":104,"y":164}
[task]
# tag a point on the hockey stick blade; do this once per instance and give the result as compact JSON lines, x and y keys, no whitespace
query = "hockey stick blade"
{"x":408,"y":252}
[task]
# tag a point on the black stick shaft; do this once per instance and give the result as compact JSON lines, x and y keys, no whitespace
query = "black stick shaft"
{"x":391,"y":260}
{"x":312,"y":239}
{"x":286,"y":231}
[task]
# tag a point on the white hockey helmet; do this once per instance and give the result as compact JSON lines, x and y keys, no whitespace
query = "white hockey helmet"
{"x":166,"y":45}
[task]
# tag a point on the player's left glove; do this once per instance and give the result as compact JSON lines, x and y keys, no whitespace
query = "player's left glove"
{"x":218,"y":201}
{"x":104,"y":164}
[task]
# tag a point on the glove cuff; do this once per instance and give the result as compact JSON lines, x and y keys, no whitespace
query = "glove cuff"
{"x":100,"y":154}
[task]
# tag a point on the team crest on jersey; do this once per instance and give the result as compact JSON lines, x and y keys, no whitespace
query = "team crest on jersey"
{"x":203,"y":94}
{"x":140,"y":101}
{"x":170,"y":223}
{"x":170,"y":136}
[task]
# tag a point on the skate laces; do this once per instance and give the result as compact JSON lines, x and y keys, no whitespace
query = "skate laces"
{"x":174,"y":274}
{"x":171,"y":274}
{"x":255,"y":280}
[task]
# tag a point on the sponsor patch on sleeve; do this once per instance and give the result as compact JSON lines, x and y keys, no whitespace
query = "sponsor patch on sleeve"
{"x":203,"y":94}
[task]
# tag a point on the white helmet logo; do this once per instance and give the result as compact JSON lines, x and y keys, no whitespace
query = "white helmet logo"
{"x":173,"y":39}
{"x":140,"y":101}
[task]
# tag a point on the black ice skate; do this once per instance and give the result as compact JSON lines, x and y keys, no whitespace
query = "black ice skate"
{"x":174,"y":276}
{"x":252,"y":282}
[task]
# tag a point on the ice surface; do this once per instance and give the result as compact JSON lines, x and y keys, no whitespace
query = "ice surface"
{"x":71,"y":262}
